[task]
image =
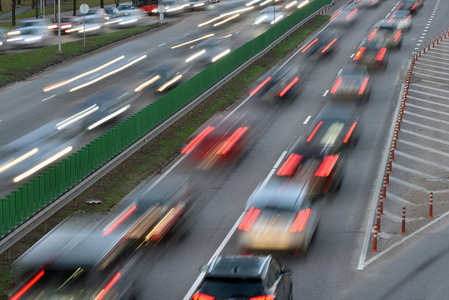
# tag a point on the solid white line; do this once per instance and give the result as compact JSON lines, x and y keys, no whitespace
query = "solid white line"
{"x":434,"y":82}
{"x":408,"y":184}
{"x":428,"y":94}
{"x":405,"y":239}
{"x":424,"y":126}
{"x":431,"y":63}
{"x":431,"y":76}
{"x":428,"y":101}
{"x":425,"y":117}
{"x":167,"y":172}
{"x":430,"y":54}
{"x":437,"y":52}
{"x":48,"y":98}
{"x":429,"y":109}
{"x":399,"y":199}
{"x":325,"y":93}
{"x":436,"y":61}
{"x":307,"y":120}
{"x":421,"y":147}
{"x":264,"y":183}
{"x":122,"y":95}
{"x":398,"y":166}
{"x":411,"y":157}
{"x":426,"y":137}
{"x":432,"y":88}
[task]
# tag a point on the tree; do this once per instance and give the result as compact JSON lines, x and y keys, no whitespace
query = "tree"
{"x":1,"y":9}
{"x":13,"y":12}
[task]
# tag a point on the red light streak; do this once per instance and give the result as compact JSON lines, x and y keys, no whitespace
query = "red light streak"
{"x":264,"y":297}
{"x":334,"y":15}
{"x":336,"y":85}
{"x":400,"y":6}
{"x":372,"y":34}
{"x":348,"y":135}
{"x":350,"y":15}
{"x":309,"y":45}
{"x":290,"y":165}
{"x":301,"y":220}
{"x":329,"y":45}
{"x":230,"y":142}
{"x":314,"y":131}
{"x":362,"y":88}
{"x":380,"y":55}
{"x":120,"y":220}
{"x":28,"y":285}
{"x":108,"y":286}
{"x":285,"y":90}
{"x":190,"y":146}
{"x":392,"y":17}
{"x":397,"y":35}
{"x":249,"y":219}
{"x":326,"y":166}
{"x":414,"y":6}
{"x":359,"y":53}
{"x":199,"y":296}
{"x":260,"y":86}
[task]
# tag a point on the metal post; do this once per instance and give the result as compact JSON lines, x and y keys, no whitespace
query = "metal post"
{"x":59,"y":27}
{"x":431,"y":205}
{"x":403,"y":220}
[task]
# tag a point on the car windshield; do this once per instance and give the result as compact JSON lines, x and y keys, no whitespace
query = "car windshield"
{"x":232,"y":287}
{"x":124,"y":7}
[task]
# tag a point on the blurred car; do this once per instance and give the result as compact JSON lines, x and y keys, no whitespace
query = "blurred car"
{"x":67,"y":23}
{"x":410,"y":5}
{"x":402,"y":19}
{"x":279,"y":216}
{"x":372,"y":53}
{"x":112,"y":13}
{"x":352,"y":83}
{"x":173,"y":7}
{"x":270,"y":15}
{"x":223,"y":140}
{"x":245,"y":277}
{"x":368,"y":3}
{"x":3,"y":38}
{"x":389,"y":31}
{"x":91,"y":25}
{"x":209,"y":51}
{"x":128,"y":18}
{"x":335,"y":126}
{"x":100,"y":13}
{"x":345,"y":16}
{"x":321,"y":45}
{"x":30,"y":37}
{"x":319,"y":166}
{"x":44,"y":23}
{"x":197,"y":4}
{"x":279,"y":85}
{"x":126,"y":6}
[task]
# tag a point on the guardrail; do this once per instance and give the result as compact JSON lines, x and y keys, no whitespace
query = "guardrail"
{"x":30,"y":200}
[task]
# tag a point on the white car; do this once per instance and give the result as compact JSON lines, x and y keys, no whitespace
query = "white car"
{"x":128,"y":18}
{"x":34,"y":36}
{"x":94,"y":24}
{"x":270,"y":15}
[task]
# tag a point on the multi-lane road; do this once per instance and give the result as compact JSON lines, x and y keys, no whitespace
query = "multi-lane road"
{"x":334,"y":266}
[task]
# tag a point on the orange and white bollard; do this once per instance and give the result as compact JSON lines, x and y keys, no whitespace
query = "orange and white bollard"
{"x":431,"y":205}
{"x":374,"y":239}
{"x":392,"y":154}
{"x":387,"y":179}
{"x":424,"y":49}
{"x":381,"y":205}
{"x":378,"y":218}
{"x":383,"y":192}
{"x":403,"y":220}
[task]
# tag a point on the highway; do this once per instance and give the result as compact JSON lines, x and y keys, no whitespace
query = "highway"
{"x":331,"y":268}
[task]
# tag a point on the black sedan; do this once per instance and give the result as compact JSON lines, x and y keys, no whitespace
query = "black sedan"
{"x":352,"y":83}
{"x":372,"y":53}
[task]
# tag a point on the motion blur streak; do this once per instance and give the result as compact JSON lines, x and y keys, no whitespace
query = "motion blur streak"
{"x":226,"y":20}
{"x":362,"y":88}
{"x":372,"y":34}
{"x":110,"y":228}
{"x":230,"y":142}
{"x":336,"y":85}
{"x":291,"y":4}
{"x":249,"y":219}
{"x":380,"y":54}
{"x":108,"y":286}
{"x":397,"y":35}
{"x":260,"y":86}
{"x":190,"y":58}
{"x":352,"y":13}
{"x":400,"y":6}
{"x":336,"y":14}
{"x":128,"y":22}
{"x":392,"y":17}
{"x":77,"y":117}
{"x":18,"y":160}
{"x":252,"y":2}
{"x":17,"y":32}
{"x":59,"y":84}
{"x":43,"y":164}
{"x":108,"y":74}
{"x":193,"y":41}
{"x":329,"y":45}
{"x":107,"y":118}
{"x":165,"y":224}
{"x":89,"y":29}
{"x":359,"y":53}
{"x":168,"y":83}
{"x":145,"y":84}
{"x":197,"y":139}
{"x":348,"y":135}
{"x":289,"y":86}
{"x":215,"y":58}
{"x":326,"y":166}
{"x":265,"y":2}
{"x":277,"y":19}
{"x":28,"y":285}
{"x":226,"y":14}
{"x":309,"y":45}
{"x":290,"y":164}
{"x":314,"y":131}
{"x":303,"y":3}
{"x":301,"y":220}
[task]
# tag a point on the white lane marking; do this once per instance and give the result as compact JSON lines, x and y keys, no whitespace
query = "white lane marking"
{"x":419,"y":146}
{"x":420,"y":160}
{"x":122,"y":95}
{"x":186,"y":34}
{"x":428,"y":94}
{"x":325,"y":93}
{"x":434,"y":62}
{"x":436,"y":111}
{"x":48,"y":98}
{"x":428,"y":87}
{"x":427,"y":75}
{"x":425,"y":117}
{"x":167,"y":172}
{"x":307,"y":120}
{"x":132,"y":58}
{"x":428,"y":101}
{"x":408,"y":184}
{"x":438,"y":52}
{"x":264,"y":183}
{"x":434,"y":82}
{"x":425,"y":137}
{"x":375,"y":197}
{"x":420,"y":41}
{"x":398,"y":199}
{"x":405,"y":239}
{"x":161,"y":45}
{"x":352,"y":55}
{"x":96,"y":75}
{"x":427,"y":27}
{"x":398,"y":166}
{"x":438,"y":58}
{"x":423,"y":30}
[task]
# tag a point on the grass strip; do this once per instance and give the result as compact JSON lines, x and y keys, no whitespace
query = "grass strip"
{"x":19,"y":66}
{"x":156,"y":154}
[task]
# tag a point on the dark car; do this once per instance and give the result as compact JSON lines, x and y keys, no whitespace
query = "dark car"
{"x":345,"y":16}
{"x":279,"y":216}
{"x":320,"y":167}
{"x":335,"y":126}
{"x":411,"y":5}
{"x":67,"y":23}
{"x":278,"y":85}
{"x":372,"y":53}
{"x":126,"y":6}
{"x":210,"y":50}
{"x":352,"y":83}
{"x":322,"y":44}
{"x":245,"y":278}
{"x":389,"y":31}
{"x":402,"y":18}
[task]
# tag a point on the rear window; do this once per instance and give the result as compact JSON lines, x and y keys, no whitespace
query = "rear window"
{"x":232,"y":287}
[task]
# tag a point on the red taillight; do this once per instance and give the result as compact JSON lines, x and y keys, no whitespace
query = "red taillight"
{"x":362,"y":88}
{"x":326,"y":166}
{"x":348,"y":135}
{"x":288,"y":168}
{"x":359,"y":53}
{"x":309,"y":45}
{"x":336,"y":85}
{"x":392,"y":17}
{"x":264,"y":297}
{"x":336,"y":14}
{"x":27,"y":286}
{"x":397,"y":35}
{"x":350,"y":15}
{"x":301,"y":220}
{"x":414,"y":6}
{"x":289,"y":86}
{"x":400,"y":6}
{"x":230,"y":142}
{"x":114,"y":225}
{"x":259,"y":86}
{"x":408,"y":18}
{"x":109,"y":286}
{"x":380,"y":55}
{"x":329,"y":45}
{"x":249,"y":219}
{"x":372,"y":34}
{"x":199,"y":296}
{"x":197,"y":139}
{"x":314,"y":131}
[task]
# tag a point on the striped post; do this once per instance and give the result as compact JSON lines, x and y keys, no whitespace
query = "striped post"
{"x":431,"y":205}
{"x":403,"y":220}
{"x":374,"y":239}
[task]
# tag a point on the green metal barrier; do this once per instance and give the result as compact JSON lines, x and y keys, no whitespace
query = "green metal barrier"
{"x":40,"y":191}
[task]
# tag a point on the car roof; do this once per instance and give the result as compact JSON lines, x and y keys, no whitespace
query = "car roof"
{"x":238,"y":266}
{"x":336,"y":110}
